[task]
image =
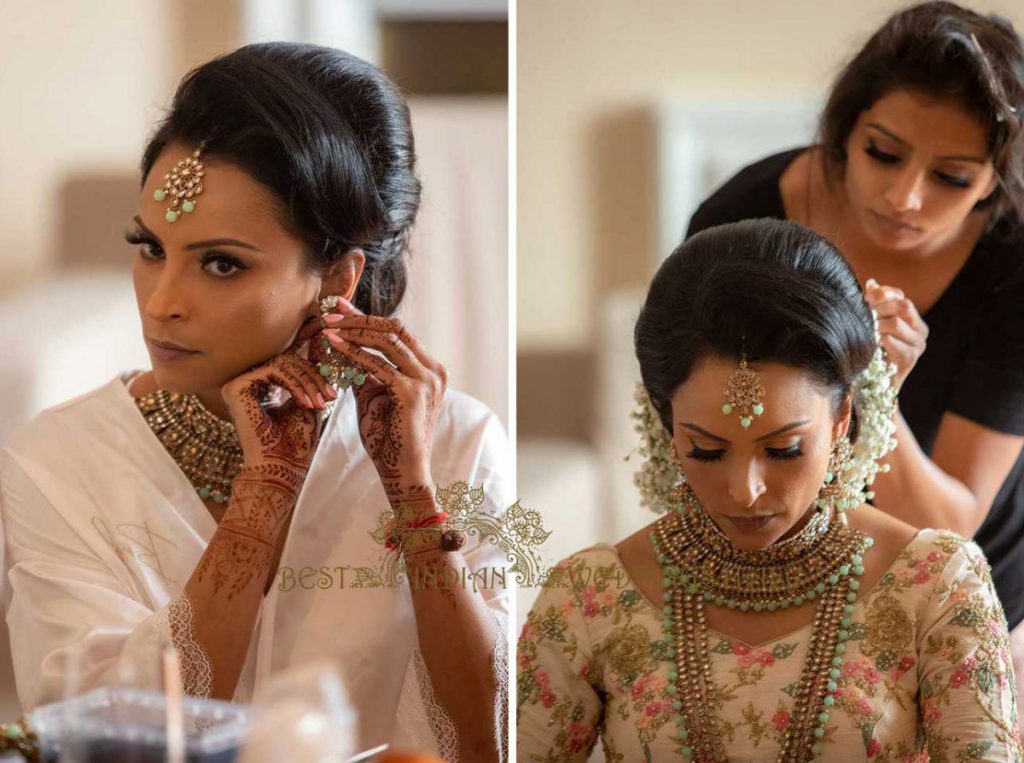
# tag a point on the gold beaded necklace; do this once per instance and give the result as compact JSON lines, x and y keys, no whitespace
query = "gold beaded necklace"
{"x":205,"y":448}
{"x":822,"y":561}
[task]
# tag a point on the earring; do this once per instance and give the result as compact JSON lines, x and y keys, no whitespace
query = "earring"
{"x":681,"y":497}
{"x":835,"y":491}
{"x":333,"y":367}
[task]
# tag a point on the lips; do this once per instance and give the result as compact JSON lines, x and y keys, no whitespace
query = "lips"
{"x":752,"y":523}
{"x":894,"y":223}
{"x":171,"y":346}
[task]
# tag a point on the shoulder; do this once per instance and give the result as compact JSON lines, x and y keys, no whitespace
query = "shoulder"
{"x":751,"y":192}
{"x":84,"y":414}
{"x":571,"y":575}
{"x":460,"y":410}
{"x":467,"y":425}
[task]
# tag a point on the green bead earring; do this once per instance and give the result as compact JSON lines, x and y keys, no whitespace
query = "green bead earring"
{"x":334,"y":368}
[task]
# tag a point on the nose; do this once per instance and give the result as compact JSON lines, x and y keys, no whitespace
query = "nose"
{"x":166,"y":301}
{"x":905,"y":192}
{"x":746,"y":484}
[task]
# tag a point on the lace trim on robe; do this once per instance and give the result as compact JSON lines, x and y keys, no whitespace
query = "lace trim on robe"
{"x":446,"y":736}
{"x":175,"y":629}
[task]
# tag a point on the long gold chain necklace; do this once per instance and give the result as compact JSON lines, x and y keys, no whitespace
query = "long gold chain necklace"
{"x":823,"y":562}
{"x":205,"y":448}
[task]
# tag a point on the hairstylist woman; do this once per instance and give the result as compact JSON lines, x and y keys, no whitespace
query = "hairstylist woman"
{"x":918,"y":178}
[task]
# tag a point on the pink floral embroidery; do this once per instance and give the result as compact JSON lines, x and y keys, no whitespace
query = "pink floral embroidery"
{"x":780,"y":720}
{"x":958,"y":679}
{"x":922,"y":577}
{"x":738,"y":648}
{"x":579,"y":736}
{"x":873,"y":748}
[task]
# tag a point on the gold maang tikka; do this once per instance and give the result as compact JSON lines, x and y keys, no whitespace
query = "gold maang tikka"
{"x":744,"y":394}
{"x":182,"y":184}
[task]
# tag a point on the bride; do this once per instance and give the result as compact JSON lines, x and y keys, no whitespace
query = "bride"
{"x":770,"y":613}
{"x":216,"y":502}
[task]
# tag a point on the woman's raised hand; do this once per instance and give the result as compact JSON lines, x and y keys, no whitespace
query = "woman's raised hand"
{"x":904,"y":333}
{"x":399,"y":403}
{"x":281,"y":438}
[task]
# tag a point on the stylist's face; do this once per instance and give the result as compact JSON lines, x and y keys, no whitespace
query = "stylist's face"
{"x":916,"y":167}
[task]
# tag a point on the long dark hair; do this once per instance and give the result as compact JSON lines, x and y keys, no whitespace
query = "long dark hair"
{"x":769,"y":288}
{"x":329,"y":134}
{"x":944,"y":51}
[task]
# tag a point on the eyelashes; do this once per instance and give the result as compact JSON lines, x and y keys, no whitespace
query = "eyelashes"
{"x":776,"y":454}
{"x":886,"y":158}
{"x":151,"y":252}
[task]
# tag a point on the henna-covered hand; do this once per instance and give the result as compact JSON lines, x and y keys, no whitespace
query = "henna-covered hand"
{"x":399,"y":403}
{"x":244,"y":547}
{"x":283,"y":435}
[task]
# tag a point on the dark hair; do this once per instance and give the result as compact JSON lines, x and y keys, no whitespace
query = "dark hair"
{"x":328,"y":133}
{"x":942,"y":50}
{"x":769,"y":288}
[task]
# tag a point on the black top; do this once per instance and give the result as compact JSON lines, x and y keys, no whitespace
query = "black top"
{"x":973,"y":364}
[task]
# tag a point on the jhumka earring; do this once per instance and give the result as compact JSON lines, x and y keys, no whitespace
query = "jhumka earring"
{"x":182,"y":184}
{"x":744,"y":394}
{"x":836,"y":492}
{"x":332,"y":367}
{"x":681,"y":497}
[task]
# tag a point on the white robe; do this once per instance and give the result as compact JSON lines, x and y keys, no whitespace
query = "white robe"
{"x":102,"y":530}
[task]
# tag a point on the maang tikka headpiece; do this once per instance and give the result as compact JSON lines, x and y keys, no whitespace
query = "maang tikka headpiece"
{"x":182,"y":184}
{"x":744,"y":394}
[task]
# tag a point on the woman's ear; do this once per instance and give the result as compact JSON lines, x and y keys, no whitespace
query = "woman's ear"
{"x":844,"y":417}
{"x":343,"y":277}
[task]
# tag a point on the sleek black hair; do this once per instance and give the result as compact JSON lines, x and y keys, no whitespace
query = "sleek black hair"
{"x":944,"y":51}
{"x":771,"y":289}
{"x":328,"y":133}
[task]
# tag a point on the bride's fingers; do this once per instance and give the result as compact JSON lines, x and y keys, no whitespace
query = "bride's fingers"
{"x":393,"y":326}
{"x":384,"y":371}
{"x":390,"y":345}
{"x":295,"y":388}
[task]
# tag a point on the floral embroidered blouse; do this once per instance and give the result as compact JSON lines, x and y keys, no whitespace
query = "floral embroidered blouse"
{"x":927,"y":675}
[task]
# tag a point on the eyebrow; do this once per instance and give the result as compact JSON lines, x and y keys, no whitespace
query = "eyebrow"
{"x":768,"y":436}
{"x":203,"y":244}
{"x":898,"y":139}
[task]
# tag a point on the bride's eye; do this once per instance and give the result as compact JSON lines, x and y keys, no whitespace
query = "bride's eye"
{"x":222,"y":261}
{"x":699,"y":454}
{"x":784,"y":454}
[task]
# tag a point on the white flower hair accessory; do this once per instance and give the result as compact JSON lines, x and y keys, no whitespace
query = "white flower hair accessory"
{"x":875,"y":397}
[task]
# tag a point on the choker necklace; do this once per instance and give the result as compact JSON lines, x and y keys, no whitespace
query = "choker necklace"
{"x":701,"y":567}
{"x":205,"y":448}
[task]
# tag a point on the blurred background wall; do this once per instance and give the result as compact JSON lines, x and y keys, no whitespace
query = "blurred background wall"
{"x":83,"y":84}
{"x":628,"y":112}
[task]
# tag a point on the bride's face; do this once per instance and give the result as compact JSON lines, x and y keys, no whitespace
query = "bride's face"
{"x":756,"y":484}
{"x":226,"y":281}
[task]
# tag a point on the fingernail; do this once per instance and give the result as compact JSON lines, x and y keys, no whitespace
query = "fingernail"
{"x":333,"y":319}
{"x":332,"y":393}
{"x":320,"y":400}
{"x":872,"y":283}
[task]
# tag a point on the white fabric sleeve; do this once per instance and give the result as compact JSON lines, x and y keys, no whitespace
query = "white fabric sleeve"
{"x":430,"y":720}
{"x":74,"y":625}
